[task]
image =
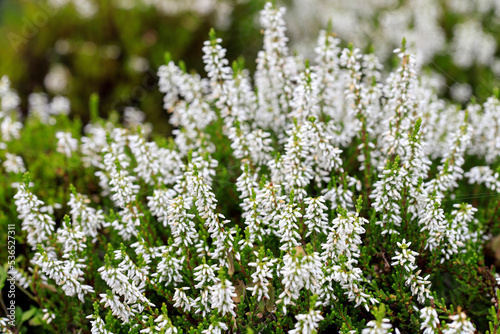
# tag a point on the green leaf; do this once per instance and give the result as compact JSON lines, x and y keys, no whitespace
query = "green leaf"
{"x":270,"y":301}
{"x":28,"y":314}
{"x":3,"y":277}
{"x":36,"y":320}
{"x":240,"y":290}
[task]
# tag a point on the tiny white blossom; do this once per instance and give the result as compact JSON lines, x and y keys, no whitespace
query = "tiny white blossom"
{"x":181,"y":299}
{"x":97,"y":325}
{"x":66,"y":144}
{"x":430,"y":320}
{"x":13,"y":164}
{"x":460,"y":324}
{"x":377,"y":327}
{"x":307,"y":323}
{"x":221,"y":297}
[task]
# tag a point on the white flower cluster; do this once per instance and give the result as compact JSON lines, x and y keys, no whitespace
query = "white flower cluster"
{"x":169,"y":269}
{"x":316,"y":218}
{"x":3,"y":326}
{"x":484,"y":175}
{"x":10,"y":128}
{"x":124,"y":191}
{"x":14,"y":164}
{"x":274,"y":69}
{"x":215,"y":328}
{"x":44,"y":110}
{"x":21,"y":277}
{"x":377,"y":327}
{"x":85,"y":217}
{"x":66,"y":273}
{"x":162,"y":324}
{"x":430,"y":320}
{"x":66,"y":144}
{"x":205,"y":276}
{"x":71,"y":238}
{"x":127,"y":281}
{"x":458,"y":232}
{"x":387,"y":194}
{"x":247,"y":186}
{"x":97,"y":325}
{"x":406,"y":258}
{"x":460,"y":324}
{"x":300,"y":271}
{"x":38,"y":225}
{"x":307,"y":323}
{"x":341,"y":252}
{"x":9,"y":99}
{"x":85,"y":8}
{"x":451,"y":170}
{"x":221,"y":297}
{"x":206,"y":204}
{"x":263,"y":273}
{"x":470,"y":41}
{"x":401,"y":105}
{"x":288,"y":228}
{"x":433,"y":220}
{"x":221,"y":9}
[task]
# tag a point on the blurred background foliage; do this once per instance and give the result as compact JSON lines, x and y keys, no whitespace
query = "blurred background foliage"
{"x":116,"y":51}
{"x":114,"y":47}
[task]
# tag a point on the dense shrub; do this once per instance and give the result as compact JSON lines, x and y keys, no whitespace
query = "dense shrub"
{"x":315,"y":195}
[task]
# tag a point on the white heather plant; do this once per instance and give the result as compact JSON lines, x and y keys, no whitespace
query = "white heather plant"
{"x":324,"y":196}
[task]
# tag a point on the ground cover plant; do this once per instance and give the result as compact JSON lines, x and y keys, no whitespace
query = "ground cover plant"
{"x":319,"y":194}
